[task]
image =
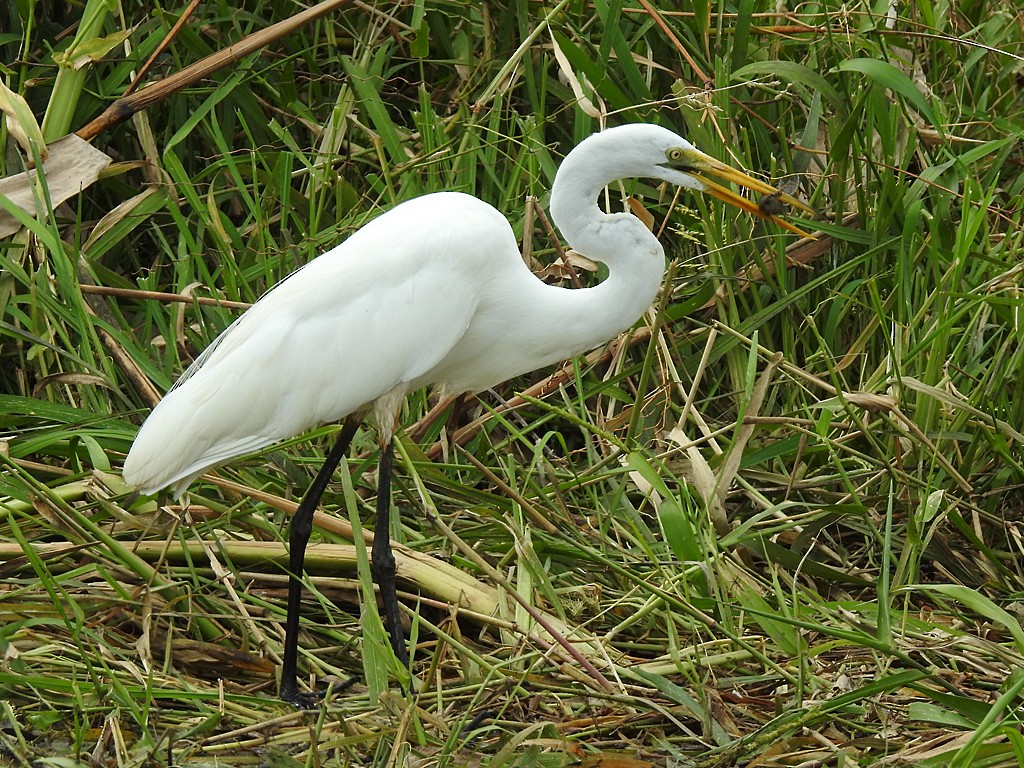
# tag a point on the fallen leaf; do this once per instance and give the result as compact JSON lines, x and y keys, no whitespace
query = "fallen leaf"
{"x":72,"y":165}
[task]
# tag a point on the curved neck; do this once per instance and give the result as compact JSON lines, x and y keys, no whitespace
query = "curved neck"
{"x":632,"y":254}
{"x":540,"y":324}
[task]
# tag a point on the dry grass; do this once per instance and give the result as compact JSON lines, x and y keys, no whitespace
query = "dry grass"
{"x":781,"y":518}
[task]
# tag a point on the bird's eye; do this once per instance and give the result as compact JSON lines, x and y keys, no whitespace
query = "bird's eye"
{"x":674,"y":155}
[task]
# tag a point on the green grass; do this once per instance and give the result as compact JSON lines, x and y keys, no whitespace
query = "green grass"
{"x":782,"y":518}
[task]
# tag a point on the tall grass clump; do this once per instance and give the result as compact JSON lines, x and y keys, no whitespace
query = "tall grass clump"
{"x":781,"y":517}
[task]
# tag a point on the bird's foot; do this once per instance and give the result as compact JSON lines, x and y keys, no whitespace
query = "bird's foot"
{"x":312,"y":699}
{"x":303,"y":699}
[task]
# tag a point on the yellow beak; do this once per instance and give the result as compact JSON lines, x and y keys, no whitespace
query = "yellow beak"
{"x":696,"y":164}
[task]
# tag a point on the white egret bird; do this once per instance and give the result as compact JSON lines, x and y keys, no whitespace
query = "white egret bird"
{"x":434,"y":292}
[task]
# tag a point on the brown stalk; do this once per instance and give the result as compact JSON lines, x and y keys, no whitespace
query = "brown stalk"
{"x":126,"y":106}
{"x":170,"y":298}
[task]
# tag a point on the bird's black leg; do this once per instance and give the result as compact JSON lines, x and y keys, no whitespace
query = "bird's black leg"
{"x":382,"y":559}
{"x":298,"y":537}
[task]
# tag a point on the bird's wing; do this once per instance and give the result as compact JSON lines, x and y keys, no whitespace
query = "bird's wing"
{"x":377,"y":312}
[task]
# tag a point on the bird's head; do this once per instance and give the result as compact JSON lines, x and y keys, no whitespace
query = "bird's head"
{"x":649,"y":150}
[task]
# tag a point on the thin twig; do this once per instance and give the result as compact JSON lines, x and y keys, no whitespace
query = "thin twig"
{"x":164,"y":44}
{"x":170,"y":298}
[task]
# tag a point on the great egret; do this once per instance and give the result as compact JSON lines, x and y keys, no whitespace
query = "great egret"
{"x":433,"y":292}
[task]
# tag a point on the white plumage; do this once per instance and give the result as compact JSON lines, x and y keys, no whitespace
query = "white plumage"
{"x":432,"y":292}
